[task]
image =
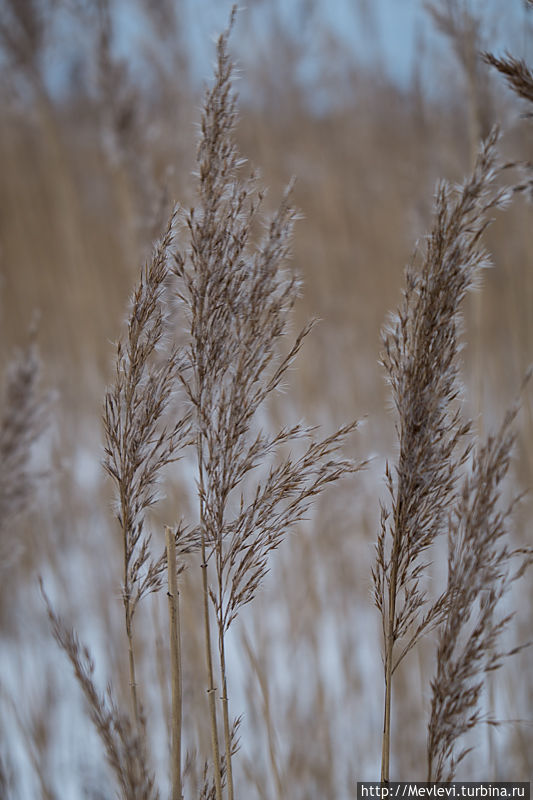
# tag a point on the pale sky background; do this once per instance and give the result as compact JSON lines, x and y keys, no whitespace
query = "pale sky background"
{"x":388,"y":34}
{"x":375,"y":29}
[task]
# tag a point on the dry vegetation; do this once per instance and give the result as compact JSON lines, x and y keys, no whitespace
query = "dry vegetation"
{"x":255,"y":606}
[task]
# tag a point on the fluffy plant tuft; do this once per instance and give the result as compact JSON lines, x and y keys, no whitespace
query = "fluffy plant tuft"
{"x":421,"y":360}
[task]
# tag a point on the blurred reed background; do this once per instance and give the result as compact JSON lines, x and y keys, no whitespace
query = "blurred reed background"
{"x":100,"y":105}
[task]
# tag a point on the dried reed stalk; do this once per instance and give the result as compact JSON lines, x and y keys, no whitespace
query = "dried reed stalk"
{"x":481,"y":569}
{"x":211,"y":690}
{"x":175,"y":664}
{"x":238,"y":303}
{"x":138,"y":446}
{"x":421,"y":361}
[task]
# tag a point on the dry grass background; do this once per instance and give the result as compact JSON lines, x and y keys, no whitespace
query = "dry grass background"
{"x":89,"y":174}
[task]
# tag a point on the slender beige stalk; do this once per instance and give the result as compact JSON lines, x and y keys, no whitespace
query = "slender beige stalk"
{"x":210,"y":679}
{"x":222,"y":662}
{"x":131,"y":661}
{"x":385,"y":743}
{"x":389,"y":645}
{"x":128,"y":618}
{"x":175,"y":663}
{"x":225,"y":716}
{"x":128,"y":606}
{"x":389,"y":649}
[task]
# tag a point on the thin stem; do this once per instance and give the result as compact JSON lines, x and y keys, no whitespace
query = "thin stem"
{"x":225,"y":712}
{"x":210,"y":680}
{"x":131,"y":659}
{"x":175,"y":663}
{"x":129,"y":611}
{"x":205,"y":587}
{"x":389,"y":647}
{"x":222,"y":652}
{"x":389,"y":643}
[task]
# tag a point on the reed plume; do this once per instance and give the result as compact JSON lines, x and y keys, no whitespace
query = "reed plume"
{"x":421,"y":359}
{"x":238,"y":302}
{"x":481,"y":569}
{"x":138,"y":444}
{"x":516,"y":72}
